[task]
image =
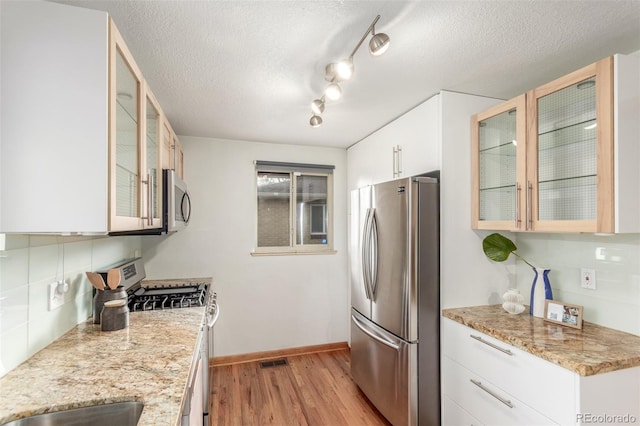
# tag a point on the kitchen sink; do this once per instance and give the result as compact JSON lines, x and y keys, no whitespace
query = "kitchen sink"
{"x":119,"y":413}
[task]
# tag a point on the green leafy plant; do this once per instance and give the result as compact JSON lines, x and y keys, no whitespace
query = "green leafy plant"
{"x":497,"y":247}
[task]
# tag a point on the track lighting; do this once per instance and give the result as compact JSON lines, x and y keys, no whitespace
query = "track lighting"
{"x":338,"y":72}
{"x":344,"y":69}
{"x":315,"y":121}
{"x":333,"y":92}
{"x":317,"y":106}
{"x":378,"y":44}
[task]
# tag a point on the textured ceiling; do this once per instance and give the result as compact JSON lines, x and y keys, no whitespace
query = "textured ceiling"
{"x":248,"y":70}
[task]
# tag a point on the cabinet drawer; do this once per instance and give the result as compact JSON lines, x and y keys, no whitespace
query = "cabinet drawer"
{"x":546,"y":387}
{"x":455,"y":415}
{"x":484,"y":400}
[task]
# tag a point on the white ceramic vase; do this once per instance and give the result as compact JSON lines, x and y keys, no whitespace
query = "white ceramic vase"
{"x":513,"y":301}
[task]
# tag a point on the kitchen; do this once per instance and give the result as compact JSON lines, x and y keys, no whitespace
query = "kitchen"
{"x":309,"y":303}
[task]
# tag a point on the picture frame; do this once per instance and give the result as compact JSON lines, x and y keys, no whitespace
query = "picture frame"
{"x":563,"y":313}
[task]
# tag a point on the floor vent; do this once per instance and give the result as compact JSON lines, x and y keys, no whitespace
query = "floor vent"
{"x":274,"y":363}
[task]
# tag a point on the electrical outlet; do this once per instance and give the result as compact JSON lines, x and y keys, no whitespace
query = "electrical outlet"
{"x":588,"y":278}
{"x":56,"y":294}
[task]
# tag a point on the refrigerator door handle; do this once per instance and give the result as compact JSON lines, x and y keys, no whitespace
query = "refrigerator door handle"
{"x":365,"y":255}
{"x":373,"y":251}
{"x":375,"y":336}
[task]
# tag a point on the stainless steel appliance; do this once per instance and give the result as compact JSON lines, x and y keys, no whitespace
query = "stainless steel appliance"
{"x":176,"y":207}
{"x":176,"y":204}
{"x":197,"y":395}
{"x":395,"y":297}
{"x":211,"y":317}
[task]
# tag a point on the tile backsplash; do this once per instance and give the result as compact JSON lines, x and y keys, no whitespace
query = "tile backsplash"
{"x":28,"y":265}
{"x":615,"y":302}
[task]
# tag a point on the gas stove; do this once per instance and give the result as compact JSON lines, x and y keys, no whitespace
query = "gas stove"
{"x":167,"y":294}
{"x":149,"y":295}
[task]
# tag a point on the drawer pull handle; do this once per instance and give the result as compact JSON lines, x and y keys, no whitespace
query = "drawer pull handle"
{"x":480,"y":339}
{"x":493,"y":394}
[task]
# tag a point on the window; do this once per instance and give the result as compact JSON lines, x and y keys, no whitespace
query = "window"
{"x":294,"y":207}
{"x":318,"y":219}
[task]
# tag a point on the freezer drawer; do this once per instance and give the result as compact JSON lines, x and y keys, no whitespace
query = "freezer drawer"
{"x":384,"y":367}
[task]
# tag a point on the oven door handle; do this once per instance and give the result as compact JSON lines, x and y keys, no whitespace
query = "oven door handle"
{"x":212,"y":319}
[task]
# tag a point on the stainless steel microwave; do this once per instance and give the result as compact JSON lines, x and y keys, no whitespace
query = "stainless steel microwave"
{"x":176,"y":203}
{"x":176,"y":207}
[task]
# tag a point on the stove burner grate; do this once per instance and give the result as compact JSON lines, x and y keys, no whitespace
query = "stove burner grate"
{"x":159,"y":298}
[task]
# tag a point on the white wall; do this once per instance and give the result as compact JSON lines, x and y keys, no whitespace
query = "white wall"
{"x":467,"y":277}
{"x":28,"y":264}
{"x":616,"y":259}
{"x":266,"y":302}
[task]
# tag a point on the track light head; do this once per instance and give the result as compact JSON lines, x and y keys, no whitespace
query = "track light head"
{"x":333,"y":92}
{"x":317,"y":106}
{"x":378,"y":44}
{"x":339,"y":71}
{"x":315,"y":121}
{"x":344,"y":69}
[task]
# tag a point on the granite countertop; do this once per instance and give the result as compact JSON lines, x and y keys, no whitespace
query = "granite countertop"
{"x":592,"y":350}
{"x":149,"y":361}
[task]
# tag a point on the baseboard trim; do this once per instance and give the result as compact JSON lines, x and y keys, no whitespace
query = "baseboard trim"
{"x":262,"y":356}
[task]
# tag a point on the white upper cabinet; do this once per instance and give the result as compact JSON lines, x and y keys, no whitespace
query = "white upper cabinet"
{"x":412,"y":144}
{"x":81,"y":131}
{"x":54,"y":118}
{"x":404,"y":147}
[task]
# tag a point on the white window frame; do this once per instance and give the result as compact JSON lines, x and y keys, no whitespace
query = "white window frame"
{"x":295,"y":170}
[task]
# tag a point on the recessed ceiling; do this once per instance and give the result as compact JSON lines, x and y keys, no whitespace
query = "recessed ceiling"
{"x":248,"y":70}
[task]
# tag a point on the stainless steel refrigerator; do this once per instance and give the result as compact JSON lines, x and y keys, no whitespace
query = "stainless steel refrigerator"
{"x":395,"y":298}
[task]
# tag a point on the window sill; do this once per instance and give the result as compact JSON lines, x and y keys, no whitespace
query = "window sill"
{"x":262,"y":252}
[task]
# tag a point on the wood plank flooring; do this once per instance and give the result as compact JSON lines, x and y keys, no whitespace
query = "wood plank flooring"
{"x":314,"y":389}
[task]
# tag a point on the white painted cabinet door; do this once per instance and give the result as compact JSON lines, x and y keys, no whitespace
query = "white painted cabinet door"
{"x":418,"y":134}
{"x":197,"y":399}
{"x":486,"y":401}
{"x":369,"y":161}
{"x":407,"y":146}
{"x":455,"y":415}
{"x":53,"y":167}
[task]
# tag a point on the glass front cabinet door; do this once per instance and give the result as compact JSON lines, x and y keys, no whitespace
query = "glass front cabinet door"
{"x":133,"y":143}
{"x":499,"y":166}
{"x":152,"y":165}
{"x":570,"y":152}
{"x":544,"y":161}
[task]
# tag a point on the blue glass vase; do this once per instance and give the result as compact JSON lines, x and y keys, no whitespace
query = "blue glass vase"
{"x":540,"y":291}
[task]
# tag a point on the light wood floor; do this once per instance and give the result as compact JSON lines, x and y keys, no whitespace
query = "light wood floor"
{"x":314,"y":390}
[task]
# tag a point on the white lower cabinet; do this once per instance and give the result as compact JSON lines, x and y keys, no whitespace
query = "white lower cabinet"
{"x":197,"y":399}
{"x":456,"y":415}
{"x":487,"y":381}
{"x":490,"y":404}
